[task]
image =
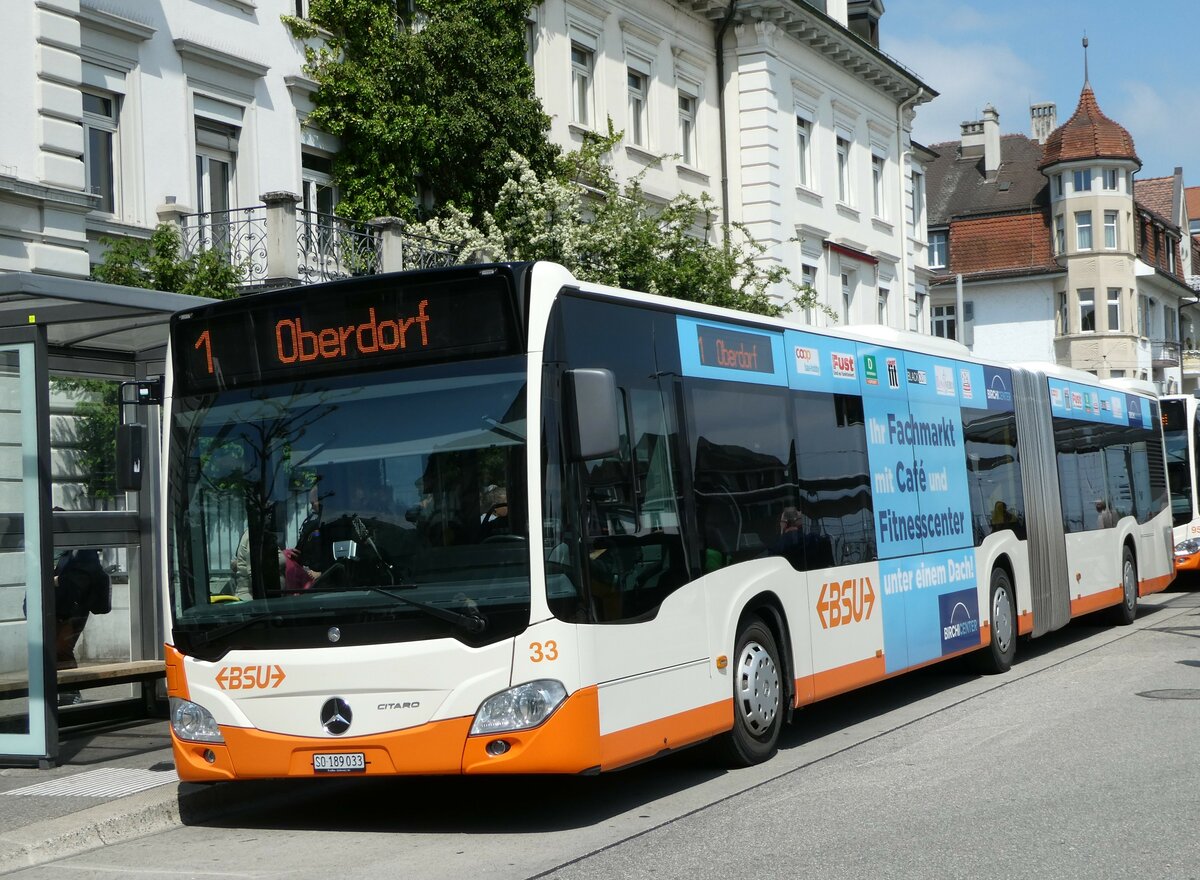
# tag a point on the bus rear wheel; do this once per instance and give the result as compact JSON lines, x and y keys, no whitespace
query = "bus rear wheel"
{"x":1124,"y":614}
{"x":998,"y":655}
{"x":757,"y":696}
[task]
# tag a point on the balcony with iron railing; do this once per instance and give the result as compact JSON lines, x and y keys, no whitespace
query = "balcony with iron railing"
{"x":1164,"y":352}
{"x":279,"y":244}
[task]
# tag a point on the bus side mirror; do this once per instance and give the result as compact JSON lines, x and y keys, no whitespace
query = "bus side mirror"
{"x":131,"y":444}
{"x":591,"y":407}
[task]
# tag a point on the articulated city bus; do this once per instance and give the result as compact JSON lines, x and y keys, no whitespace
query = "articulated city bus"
{"x":1181,"y":432}
{"x":494,"y":519}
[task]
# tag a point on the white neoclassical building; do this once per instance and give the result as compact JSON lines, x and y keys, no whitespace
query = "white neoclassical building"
{"x":784,"y":112}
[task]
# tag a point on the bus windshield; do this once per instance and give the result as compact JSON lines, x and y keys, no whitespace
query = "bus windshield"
{"x":379,"y":507}
{"x":1179,"y":468}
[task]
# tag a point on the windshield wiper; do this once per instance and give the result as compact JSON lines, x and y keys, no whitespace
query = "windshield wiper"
{"x":230,"y":628}
{"x":473,"y":623}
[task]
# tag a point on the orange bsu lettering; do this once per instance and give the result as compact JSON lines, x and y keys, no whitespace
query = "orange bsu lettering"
{"x":294,"y":343}
{"x":248,"y":678}
{"x":849,"y":601}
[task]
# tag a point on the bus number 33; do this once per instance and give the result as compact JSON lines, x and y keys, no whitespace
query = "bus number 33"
{"x":540,"y":651}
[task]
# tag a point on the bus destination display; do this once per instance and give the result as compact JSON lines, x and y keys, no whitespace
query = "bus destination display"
{"x":734,"y":350}
{"x":368,"y":326}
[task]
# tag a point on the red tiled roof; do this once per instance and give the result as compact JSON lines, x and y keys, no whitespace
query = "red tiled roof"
{"x":993,"y":244}
{"x":1088,"y":134}
{"x":1154,"y":194}
{"x":1192,"y":194}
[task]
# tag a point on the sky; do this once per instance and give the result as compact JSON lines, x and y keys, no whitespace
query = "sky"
{"x":1013,"y":53}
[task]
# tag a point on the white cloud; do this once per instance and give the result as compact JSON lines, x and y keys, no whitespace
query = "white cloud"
{"x":1165,"y":125}
{"x":968,"y":77}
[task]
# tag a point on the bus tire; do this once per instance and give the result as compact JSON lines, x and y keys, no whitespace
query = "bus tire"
{"x":997,"y":656}
{"x":757,"y":696}
{"x":1124,"y":614}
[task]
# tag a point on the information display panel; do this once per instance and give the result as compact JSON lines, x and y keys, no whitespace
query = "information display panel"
{"x":385,"y":321}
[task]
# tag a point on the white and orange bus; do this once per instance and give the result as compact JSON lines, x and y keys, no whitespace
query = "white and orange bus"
{"x":1181,"y":432}
{"x":494,"y":519}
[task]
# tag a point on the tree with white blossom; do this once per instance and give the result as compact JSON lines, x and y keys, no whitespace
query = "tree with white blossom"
{"x":582,"y":217}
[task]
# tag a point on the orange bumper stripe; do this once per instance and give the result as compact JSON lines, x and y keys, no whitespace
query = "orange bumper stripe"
{"x":643,"y":741}
{"x":1158,"y":584}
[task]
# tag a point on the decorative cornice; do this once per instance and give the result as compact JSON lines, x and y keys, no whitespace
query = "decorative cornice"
{"x":301,"y":86}
{"x":116,"y":24}
{"x":827,"y":37}
{"x":638,"y":31}
{"x":190,"y":50}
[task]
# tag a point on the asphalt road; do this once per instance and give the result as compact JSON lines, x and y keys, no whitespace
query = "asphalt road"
{"x":1080,"y":762}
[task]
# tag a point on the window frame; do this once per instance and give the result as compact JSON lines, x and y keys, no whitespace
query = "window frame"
{"x":842,"y":147}
{"x":1114,"y":309}
{"x":1112,"y":242}
{"x":637,"y":104}
{"x":108,"y":127}
{"x":804,"y":146}
{"x":1083,"y":229}
{"x":939,"y":243}
{"x":583,"y":78}
{"x":879,"y":184}
{"x":944,"y":321}
{"x":1083,"y":175}
{"x":688,"y":139}
{"x":1086,"y":299}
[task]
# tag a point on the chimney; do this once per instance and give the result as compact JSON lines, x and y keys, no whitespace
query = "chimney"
{"x":1043,"y":119}
{"x":982,"y":138}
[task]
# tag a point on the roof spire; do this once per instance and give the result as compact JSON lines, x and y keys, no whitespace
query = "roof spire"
{"x":1085,"y":64}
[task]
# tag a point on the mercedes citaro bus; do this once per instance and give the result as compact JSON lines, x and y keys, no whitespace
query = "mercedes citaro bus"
{"x":494,"y":519}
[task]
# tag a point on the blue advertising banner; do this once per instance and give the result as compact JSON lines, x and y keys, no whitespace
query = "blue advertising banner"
{"x":820,"y":363}
{"x":930,"y":607}
{"x":1074,"y":400}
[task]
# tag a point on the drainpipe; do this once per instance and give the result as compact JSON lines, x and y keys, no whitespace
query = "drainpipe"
{"x":720,"y":49}
{"x":904,"y":244}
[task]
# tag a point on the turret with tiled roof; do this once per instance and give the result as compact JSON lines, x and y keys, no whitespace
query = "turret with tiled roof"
{"x":1088,"y":134}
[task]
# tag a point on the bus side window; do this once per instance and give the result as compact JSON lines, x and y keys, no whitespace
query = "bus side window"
{"x":835,"y":487}
{"x":743,"y":477}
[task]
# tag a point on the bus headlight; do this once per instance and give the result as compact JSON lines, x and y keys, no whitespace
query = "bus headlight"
{"x":1187,"y":548}
{"x":193,"y":722}
{"x":519,"y":708}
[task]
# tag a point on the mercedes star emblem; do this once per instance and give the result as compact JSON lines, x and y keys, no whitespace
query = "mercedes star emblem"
{"x":336,"y":715}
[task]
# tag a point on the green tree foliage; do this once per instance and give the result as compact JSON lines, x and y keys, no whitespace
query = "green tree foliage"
{"x":156,"y":264}
{"x":609,"y":232}
{"x":427,"y":108}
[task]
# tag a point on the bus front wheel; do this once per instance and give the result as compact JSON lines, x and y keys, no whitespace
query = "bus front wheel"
{"x":1124,"y":614}
{"x":999,"y":653}
{"x":757,"y":696}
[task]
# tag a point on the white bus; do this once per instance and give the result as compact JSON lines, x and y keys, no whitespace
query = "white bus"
{"x":494,"y":519}
{"x":1181,"y":432}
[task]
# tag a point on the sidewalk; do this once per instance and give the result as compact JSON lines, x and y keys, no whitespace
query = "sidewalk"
{"x":115,"y":784}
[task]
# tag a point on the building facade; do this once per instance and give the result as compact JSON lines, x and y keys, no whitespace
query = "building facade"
{"x":1063,"y":255}
{"x":785,"y":114}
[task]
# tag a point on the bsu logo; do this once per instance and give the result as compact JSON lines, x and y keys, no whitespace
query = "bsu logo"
{"x":845,"y":602}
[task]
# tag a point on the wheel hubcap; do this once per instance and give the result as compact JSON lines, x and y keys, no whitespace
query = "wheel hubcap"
{"x":758,"y":688}
{"x":1002,"y":622}
{"x":1130,"y":583}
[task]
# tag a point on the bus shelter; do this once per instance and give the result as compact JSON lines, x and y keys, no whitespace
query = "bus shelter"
{"x":70,"y":352}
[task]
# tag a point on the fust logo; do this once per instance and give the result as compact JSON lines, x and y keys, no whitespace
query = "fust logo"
{"x":843,"y":365}
{"x":248,"y":678}
{"x":845,"y":602}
